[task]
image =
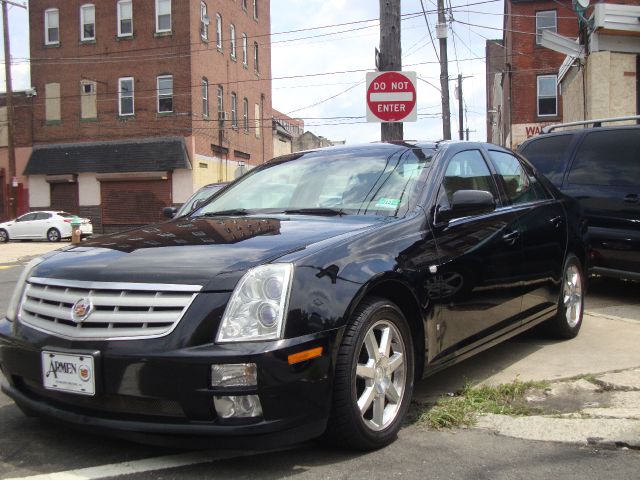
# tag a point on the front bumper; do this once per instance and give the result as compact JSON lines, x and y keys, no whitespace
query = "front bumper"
{"x":144,"y":392}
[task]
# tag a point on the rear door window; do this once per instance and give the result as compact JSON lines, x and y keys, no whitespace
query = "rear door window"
{"x":549,"y":156}
{"x":607,"y":157}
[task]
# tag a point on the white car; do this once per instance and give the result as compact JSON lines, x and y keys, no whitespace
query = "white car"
{"x":48,"y":225}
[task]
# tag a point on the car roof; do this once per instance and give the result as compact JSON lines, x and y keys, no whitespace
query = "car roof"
{"x":579,"y":131}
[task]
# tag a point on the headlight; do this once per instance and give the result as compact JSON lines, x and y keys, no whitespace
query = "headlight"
{"x":14,"y":303}
{"x":258,"y":305}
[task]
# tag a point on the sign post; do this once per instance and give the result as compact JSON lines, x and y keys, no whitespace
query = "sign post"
{"x":391,"y":97}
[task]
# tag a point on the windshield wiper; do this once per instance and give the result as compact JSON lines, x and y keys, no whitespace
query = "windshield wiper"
{"x":317,"y":211}
{"x":230,"y":212}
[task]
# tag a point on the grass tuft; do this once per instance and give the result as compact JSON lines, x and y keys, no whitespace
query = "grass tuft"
{"x":462,"y":408}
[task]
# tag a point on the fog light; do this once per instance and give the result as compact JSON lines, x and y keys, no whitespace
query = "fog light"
{"x":234,"y":375}
{"x":238,"y":406}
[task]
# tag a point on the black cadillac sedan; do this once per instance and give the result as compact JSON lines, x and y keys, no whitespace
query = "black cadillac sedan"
{"x":304,"y":300}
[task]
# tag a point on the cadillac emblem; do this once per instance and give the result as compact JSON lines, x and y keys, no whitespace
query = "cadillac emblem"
{"x":81,"y":310}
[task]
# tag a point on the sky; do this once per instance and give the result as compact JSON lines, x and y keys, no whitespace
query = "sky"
{"x":319,"y":53}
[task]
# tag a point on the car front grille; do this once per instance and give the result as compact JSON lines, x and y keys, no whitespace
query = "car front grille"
{"x":118,"y":311}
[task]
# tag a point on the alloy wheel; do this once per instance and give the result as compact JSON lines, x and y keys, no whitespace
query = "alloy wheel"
{"x":381,"y":374}
{"x":572,"y":295}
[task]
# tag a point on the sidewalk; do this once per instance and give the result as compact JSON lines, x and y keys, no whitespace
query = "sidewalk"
{"x":20,"y":252}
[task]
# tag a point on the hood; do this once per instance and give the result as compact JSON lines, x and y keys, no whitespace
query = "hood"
{"x":194,"y":251}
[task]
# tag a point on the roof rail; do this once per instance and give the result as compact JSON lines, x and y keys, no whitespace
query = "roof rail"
{"x":596,"y":123}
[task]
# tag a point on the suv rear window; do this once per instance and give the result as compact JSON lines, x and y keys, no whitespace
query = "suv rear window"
{"x":548,"y":155}
{"x":608,"y":157}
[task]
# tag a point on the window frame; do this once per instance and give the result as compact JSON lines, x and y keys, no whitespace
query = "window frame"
{"x":255,"y":9}
{"x":161,"y":96}
{"x":220,"y":97}
{"x":539,"y":97}
{"x":245,"y":115}
{"x":256,"y":58}
{"x":204,"y":26}
{"x":120,"y":18}
{"x":47,"y":40}
{"x":539,"y":16}
{"x":204,"y":93}
{"x":245,"y":50}
{"x":169,"y":30}
{"x":232,"y":40}
{"x":120,"y":97}
{"x":219,"y":31}
{"x":234,"y":110}
{"x":84,"y":7}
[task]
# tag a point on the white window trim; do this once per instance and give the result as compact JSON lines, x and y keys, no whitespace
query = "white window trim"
{"x":220,"y":100}
{"x":538,"y":97}
{"x":245,"y":115}
{"x":204,"y":87}
{"x":555,"y":17}
{"x":232,"y":40}
{"x":255,"y":9}
{"x":133,"y":97}
{"x":204,"y":29}
{"x":46,"y":26}
{"x":234,"y":110}
{"x":158,"y":78}
{"x":256,"y":57}
{"x":82,"y":23}
{"x":158,"y":16}
{"x":119,"y":18}
{"x":219,"y":30}
{"x":245,"y":48}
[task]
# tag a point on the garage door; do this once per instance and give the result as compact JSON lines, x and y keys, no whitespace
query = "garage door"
{"x":135,"y":202}
{"x":64,"y":196}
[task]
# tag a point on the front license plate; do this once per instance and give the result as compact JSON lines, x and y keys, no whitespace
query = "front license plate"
{"x":68,"y":373}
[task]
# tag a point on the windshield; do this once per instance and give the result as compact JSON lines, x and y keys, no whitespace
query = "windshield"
{"x":364,"y":181}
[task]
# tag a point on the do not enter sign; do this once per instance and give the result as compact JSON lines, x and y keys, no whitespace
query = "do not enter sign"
{"x":391,"y":97}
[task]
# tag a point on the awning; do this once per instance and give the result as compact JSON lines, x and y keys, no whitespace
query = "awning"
{"x":143,"y":155}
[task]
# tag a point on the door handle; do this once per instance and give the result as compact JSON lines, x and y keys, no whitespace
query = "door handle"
{"x":557,"y":221}
{"x":631,"y":198}
{"x":511,"y":237}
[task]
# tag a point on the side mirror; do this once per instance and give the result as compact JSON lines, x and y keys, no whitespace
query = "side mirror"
{"x":169,"y":212}
{"x":466,"y":203}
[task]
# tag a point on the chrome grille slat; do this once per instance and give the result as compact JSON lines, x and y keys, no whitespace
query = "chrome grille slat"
{"x":120,"y":310}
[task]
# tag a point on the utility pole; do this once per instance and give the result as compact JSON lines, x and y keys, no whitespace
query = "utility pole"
{"x":390,"y":58}
{"x":441,"y":33}
{"x":460,"y":113}
{"x":13,"y":200}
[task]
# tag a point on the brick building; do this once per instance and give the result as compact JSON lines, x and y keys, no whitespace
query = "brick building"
{"x":522,"y":92}
{"x":285,"y":129}
{"x":140,"y":102}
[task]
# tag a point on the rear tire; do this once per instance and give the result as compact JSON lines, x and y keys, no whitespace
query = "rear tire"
{"x":567,"y":322}
{"x":53,"y":235}
{"x":374,"y":378}
{"x":4,"y":236}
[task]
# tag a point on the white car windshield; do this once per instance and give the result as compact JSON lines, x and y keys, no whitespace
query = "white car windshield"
{"x":380,"y":180}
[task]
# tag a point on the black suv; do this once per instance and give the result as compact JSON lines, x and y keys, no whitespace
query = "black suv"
{"x":600,"y":167}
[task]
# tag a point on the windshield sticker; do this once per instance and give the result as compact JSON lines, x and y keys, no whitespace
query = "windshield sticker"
{"x":388,"y":203}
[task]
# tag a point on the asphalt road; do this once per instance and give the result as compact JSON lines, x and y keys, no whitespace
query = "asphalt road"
{"x":31,"y":447}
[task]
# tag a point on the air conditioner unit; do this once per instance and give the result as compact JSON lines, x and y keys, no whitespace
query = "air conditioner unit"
{"x":223,"y":115}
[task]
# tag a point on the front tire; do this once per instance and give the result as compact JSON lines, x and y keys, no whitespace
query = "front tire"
{"x":53,"y":235}
{"x":567,"y":322}
{"x":373,"y":377}
{"x":4,"y":236}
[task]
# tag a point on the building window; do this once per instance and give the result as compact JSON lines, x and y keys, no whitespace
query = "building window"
{"x":244,"y":49}
{"x":52,"y":112}
{"x":547,"y":95}
{"x":232,"y":33}
{"x":51,"y":27}
{"x":255,"y":9}
{"x":220,"y":103}
{"x":244,"y":5}
{"x":163,"y":16}
{"x":218,"y":30}
{"x":125,"y":96}
{"x":205,"y":97}
{"x":204,"y":21}
{"x":87,"y":22}
{"x":245,"y":115}
{"x":545,"y":21}
{"x":125,"y":18}
{"x":257,"y":119}
{"x":88,"y":105}
{"x":165,"y":93}
{"x":234,"y":110}
{"x":256,"y":65}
